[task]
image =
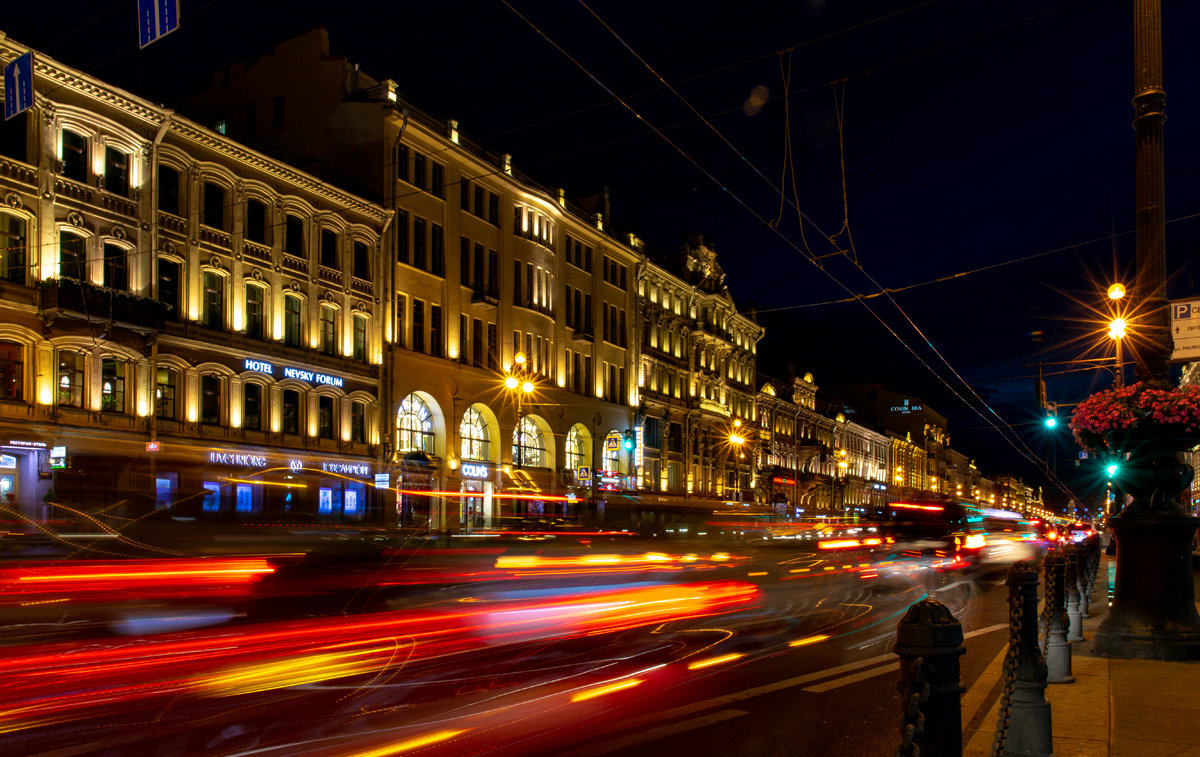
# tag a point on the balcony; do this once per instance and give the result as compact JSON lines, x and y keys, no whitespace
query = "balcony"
{"x":329,"y":275}
{"x":293,"y":263}
{"x":94,"y":303}
{"x":484,"y":297}
{"x":257,"y":252}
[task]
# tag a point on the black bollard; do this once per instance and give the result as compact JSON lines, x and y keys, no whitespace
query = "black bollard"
{"x":1058,"y":649}
{"x":929,"y":641}
{"x":1024,"y":727}
{"x":1074,"y":616}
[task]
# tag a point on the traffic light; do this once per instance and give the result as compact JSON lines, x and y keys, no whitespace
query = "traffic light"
{"x":1112,"y":469}
{"x":1051,"y":421}
{"x":627,"y":441}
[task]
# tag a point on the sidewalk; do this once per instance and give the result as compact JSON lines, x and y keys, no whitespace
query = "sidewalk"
{"x":1115,"y":708}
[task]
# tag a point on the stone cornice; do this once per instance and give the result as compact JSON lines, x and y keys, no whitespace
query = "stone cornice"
{"x":152,"y":116}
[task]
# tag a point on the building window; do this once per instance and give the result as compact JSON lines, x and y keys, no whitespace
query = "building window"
{"x":293,"y":236}
{"x":574,"y":450}
{"x":358,"y":422}
{"x":252,"y":406}
{"x":360,"y":338}
{"x":437,"y":180}
{"x":168,"y":286}
{"x":402,"y":161}
{"x":213,"y":307}
{"x":418,"y":325}
{"x":12,"y":371}
{"x":418,"y":244}
{"x":256,"y":221}
{"x":362,"y":262}
{"x":328,"y":330}
{"x":164,"y":394}
{"x":116,"y":267}
{"x":70,"y":379}
{"x":437,"y":250}
{"x":414,"y":426}
{"x":112,"y":386}
{"x":12,"y":248}
{"x":74,"y":156}
{"x":214,"y":205}
{"x":116,"y":171}
{"x":401,"y":314}
{"x":329,"y":248}
{"x":14,"y":137}
{"x":528,"y":447}
{"x":494,"y":209}
{"x":210,"y":399}
{"x":291,"y":411}
{"x":418,"y":178}
{"x":401,"y":234}
{"x":474,"y":440}
{"x":168,"y":189}
{"x":325,"y":416}
{"x":254,"y":311}
{"x":72,"y":256}
{"x":292,"y":327}
{"x":435,"y":330}
{"x":477,"y":342}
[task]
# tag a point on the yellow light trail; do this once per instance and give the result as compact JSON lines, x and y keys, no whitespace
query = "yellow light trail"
{"x":409,"y":745}
{"x":715,"y":661}
{"x":600,"y":691}
{"x":808,"y":640}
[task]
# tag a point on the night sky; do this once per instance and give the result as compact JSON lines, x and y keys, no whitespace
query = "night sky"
{"x":990,"y":139}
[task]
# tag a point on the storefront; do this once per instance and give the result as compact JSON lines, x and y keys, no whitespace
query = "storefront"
{"x":25,"y":477}
{"x":477,"y":505}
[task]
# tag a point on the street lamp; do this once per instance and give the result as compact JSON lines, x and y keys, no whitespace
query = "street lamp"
{"x":1116,"y":331}
{"x":736,"y":440}
{"x":519,"y":383}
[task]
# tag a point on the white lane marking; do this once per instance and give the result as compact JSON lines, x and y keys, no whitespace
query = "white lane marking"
{"x":890,"y":668}
{"x":836,"y":683}
{"x":657,"y":733}
{"x":976,"y":696}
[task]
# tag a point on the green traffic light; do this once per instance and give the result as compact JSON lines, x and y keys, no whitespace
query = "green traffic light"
{"x":1051,"y":422}
{"x":1112,"y":469}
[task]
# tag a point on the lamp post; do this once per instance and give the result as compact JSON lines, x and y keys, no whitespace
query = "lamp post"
{"x":1116,"y":332}
{"x":519,"y":383}
{"x":736,"y":441}
{"x":842,"y":468}
{"x":1153,"y":612}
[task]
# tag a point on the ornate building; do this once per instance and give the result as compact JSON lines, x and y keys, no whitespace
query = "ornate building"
{"x":489,"y":268}
{"x":182,"y":319}
{"x":696,"y":373}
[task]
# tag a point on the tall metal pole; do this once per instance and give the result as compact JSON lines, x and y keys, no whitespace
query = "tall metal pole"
{"x":1149,"y":107}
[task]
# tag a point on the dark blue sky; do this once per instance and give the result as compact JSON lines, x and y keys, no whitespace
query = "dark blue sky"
{"x":974,"y":134}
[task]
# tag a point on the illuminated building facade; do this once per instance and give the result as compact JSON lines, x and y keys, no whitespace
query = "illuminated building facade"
{"x":697,"y":369}
{"x":486,"y":264}
{"x":181,"y":318}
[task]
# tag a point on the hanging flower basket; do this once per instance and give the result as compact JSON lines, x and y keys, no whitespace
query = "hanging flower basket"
{"x":1122,"y":419}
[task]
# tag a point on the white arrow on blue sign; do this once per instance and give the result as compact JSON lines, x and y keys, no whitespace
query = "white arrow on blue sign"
{"x":156,"y":18}
{"x":18,"y":85}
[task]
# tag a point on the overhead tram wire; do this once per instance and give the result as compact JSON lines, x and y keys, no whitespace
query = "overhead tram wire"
{"x":1027,"y":453}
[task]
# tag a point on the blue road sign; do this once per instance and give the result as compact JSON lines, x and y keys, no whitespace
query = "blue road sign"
{"x":18,"y":85}
{"x":156,"y":18}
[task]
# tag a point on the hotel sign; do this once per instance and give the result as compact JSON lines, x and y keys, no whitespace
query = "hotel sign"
{"x":300,"y":374}
{"x":237,"y":458}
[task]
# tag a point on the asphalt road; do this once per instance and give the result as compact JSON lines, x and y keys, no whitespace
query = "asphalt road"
{"x":805,"y":669}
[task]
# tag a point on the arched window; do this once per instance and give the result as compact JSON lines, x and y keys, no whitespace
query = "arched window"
{"x":70,"y":379}
{"x":574,"y":450}
{"x":528,"y":447}
{"x":12,"y":248}
{"x":473,"y":433}
{"x":12,"y":371}
{"x":414,"y":426}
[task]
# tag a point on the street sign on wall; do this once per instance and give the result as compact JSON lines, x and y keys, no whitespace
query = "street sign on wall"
{"x":1185,"y":330}
{"x":156,"y":18}
{"x":18,"y":85}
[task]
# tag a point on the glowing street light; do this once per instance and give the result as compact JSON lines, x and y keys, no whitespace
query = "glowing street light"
{"x":1116,"y":291}
{"x":519,"y":383}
